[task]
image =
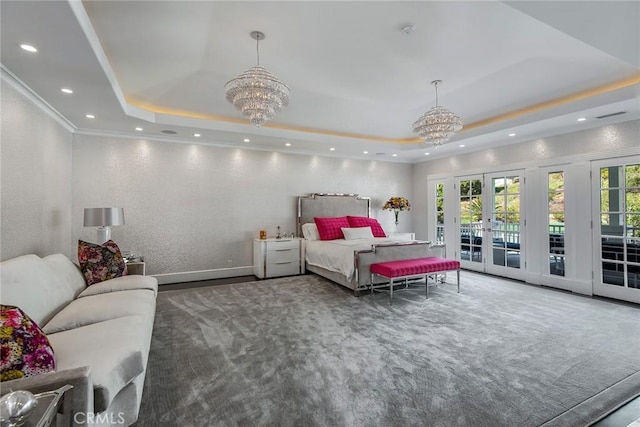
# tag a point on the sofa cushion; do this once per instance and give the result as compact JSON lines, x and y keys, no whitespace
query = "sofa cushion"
{"x":124,"y":283}
{"x":116,"y":350}
{"x":100,"y":262}
{"x":98,"y":308}
{"x":27,"y":282}
{"x":25,"y":349}
{"x":68,"y":272}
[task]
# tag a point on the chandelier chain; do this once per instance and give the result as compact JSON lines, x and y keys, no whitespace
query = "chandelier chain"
{"x":258,"y":50}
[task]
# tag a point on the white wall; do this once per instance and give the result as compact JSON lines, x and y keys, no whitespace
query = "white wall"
{"x":35,"y":185}
{"x":196,"y":207}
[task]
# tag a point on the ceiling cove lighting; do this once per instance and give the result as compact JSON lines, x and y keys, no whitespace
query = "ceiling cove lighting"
{"x":66,"y":90}
{"x":257,"y":93}
{"x":438,"y":124}
{"x":28,"y":48}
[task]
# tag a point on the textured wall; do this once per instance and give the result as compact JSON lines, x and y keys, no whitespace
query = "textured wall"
{"x":195,"y":207}
{"x":603,"y":140}
{"x":35,"y":189}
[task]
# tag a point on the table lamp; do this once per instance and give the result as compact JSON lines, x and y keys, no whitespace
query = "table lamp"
{"x":104,"y":219}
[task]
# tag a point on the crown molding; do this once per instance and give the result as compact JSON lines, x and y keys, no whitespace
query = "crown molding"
{"x":13,"y":81}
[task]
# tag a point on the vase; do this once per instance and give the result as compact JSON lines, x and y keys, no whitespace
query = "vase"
{"x":396,"y":212}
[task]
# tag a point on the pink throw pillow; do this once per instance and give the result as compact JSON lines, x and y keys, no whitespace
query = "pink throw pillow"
{"x":363,"y":221}
{"x":331,"y":228}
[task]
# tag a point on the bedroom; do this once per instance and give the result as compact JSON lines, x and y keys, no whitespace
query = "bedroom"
{"x":191,"y":206}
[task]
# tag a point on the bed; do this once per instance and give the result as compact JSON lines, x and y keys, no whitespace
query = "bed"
{"x":347,"y":262}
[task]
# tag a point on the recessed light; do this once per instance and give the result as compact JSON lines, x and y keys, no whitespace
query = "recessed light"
{"x":426,"y":154}
{"x":288,"y":144}
{"x":139,"y":129}
{"x":247,"y":140}
{"x":90,"y":116}
{"x":512,"y":134}
{"x":582,"y":119}
{"x":332,"y":149}
{"x":66,"y":90}
{"x":28,"y":48}
{"x":461,"y":145}
{"x":197,"y":135}
{"x":394,"y":155}
{"x":365,"y":152}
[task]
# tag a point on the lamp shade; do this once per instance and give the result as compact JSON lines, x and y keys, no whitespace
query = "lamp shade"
{"x":101,"y":217}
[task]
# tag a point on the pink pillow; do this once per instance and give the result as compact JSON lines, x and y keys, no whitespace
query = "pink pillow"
{"x":363,"y":221}
{"x":331,"y":228}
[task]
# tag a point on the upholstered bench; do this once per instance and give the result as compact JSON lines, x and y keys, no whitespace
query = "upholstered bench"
{"x":413,"y":268}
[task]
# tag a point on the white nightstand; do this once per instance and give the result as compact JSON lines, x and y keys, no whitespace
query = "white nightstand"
{"x":135,"y":267}
{"x":277,"y":257}
{"x":403,"y":236}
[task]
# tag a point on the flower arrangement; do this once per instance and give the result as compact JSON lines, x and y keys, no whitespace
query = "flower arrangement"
{"x":397,"y":204}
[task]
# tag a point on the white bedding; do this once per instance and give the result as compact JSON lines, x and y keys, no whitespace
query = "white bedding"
{"x":337,"y":255}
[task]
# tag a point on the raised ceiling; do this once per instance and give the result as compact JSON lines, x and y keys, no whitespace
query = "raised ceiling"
{"x":357,"y":80}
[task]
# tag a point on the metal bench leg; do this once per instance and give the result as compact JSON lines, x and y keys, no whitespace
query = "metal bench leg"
{"x":458,"y":276}
{"x":426,"y":285}
{"x":391,"y":292}
{"x":372,"y":283}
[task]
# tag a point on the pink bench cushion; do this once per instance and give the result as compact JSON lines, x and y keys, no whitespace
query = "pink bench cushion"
{"x":410,"y":267}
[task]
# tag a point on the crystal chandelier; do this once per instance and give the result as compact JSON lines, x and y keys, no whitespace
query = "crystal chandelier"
{"x":257,"y":93}
{"x":438,"y":124}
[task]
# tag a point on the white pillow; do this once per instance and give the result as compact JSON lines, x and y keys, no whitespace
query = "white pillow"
{"x":357,"y":233}
{"x":310,"y":231}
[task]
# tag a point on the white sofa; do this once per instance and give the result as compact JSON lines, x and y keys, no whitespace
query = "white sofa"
{"x":100,"y":334}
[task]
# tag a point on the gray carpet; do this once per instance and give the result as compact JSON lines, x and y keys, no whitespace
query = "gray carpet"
{"x":302,"y":351}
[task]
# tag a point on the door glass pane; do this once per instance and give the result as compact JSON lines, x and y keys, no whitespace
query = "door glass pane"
{"x":471,"y":220}
{"x":610,"y":224}
{"x":556,"y":224}
{"x":465,"y":188}
{"x":632,"y":175}
{"x":440,"y":213}
{"x":506,"y":222}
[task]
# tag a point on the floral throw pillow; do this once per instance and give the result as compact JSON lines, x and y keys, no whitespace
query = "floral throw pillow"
{"x":100,"y":262}
{"x":24,"y":348}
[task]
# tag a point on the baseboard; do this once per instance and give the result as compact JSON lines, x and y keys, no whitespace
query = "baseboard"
{"x":193,"y":276}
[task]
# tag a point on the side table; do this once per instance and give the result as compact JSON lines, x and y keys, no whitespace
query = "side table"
{"x":52,"y":410}
{"x":136,"y":267}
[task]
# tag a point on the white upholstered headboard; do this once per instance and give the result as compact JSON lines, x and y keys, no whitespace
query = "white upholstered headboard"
{"x":330,"y":205}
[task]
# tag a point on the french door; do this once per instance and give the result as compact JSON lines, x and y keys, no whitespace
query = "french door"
{"x":616,"y":231}
{"x":491,"y":223}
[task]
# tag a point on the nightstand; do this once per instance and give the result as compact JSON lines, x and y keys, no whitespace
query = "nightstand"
{"x":403,"y":236}
{"x":277,"y":257}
